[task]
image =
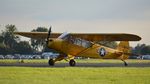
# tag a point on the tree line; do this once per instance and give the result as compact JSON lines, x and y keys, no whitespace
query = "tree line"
{"x":11,"y":44}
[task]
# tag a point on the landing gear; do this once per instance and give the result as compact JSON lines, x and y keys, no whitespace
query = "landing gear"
{"x":51,"y":62}
{"x":125,"y":63}
{"x":72,"y":62}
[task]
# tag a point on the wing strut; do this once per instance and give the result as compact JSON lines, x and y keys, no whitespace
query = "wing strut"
{"x":86,"y":49}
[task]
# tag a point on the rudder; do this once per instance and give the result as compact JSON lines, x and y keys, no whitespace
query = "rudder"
{"x":124,"y":47}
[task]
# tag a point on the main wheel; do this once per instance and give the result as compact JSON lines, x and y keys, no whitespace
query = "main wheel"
{"x":51,"y":62}
{"x":72,"y":63}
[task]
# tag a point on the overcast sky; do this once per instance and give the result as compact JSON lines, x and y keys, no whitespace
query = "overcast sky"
{"x":100,"y":16}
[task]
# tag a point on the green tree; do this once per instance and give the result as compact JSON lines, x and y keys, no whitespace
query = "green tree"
{"x":1,"y":39}
{"x":11,"y":44}
{"x":145,"y":50}
{"x":39,"y":44}
{"x":8,"y":40}
{"x":4,"y":50}
{"x":23,"y":47}
{"x":8,"y":37}
{"x":141,"y":49}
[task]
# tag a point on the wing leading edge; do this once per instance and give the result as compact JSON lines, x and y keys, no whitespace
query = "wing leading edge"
{"x":86,"y":36}
{"x":37,"y":35}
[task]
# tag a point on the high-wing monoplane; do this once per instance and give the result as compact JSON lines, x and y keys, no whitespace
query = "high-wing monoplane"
{"x":70,"y":45}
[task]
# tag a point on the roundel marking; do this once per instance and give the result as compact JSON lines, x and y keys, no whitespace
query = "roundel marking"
{"x":102,"y":52}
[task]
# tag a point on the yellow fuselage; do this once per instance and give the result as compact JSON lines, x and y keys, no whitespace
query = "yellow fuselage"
{"x":75,"y":50}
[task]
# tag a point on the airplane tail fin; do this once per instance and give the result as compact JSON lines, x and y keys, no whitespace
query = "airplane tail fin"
{"x":124,"y":47}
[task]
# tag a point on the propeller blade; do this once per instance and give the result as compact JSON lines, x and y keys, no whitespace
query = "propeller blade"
{"x":49,"y":33}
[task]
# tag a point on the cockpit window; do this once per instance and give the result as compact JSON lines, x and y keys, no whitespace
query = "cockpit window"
{"x":78,"y":41}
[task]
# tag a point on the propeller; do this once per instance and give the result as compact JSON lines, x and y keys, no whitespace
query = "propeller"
{"x":49,"y":34}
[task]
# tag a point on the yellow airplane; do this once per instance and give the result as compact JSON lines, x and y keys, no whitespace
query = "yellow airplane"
{"x":82,"y":45}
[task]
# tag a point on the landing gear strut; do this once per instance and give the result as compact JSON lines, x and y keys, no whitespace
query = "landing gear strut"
{"x":51,"y":62}
{"x":125,"y":63}
{"x":72,"y":62}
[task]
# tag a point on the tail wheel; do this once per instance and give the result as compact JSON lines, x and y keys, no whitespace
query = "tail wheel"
{"x":51,"y":62}
{"x":72,"y":63}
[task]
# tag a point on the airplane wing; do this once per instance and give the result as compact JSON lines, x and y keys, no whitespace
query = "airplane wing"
{"x":107,"y":36}
{"x":86,"y":36}
{"x":37,"y":35}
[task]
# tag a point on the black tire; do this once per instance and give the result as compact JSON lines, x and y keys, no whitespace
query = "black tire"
{"x":51,"y":62}
{"x":72,"y":63}
{"x":125,"y":64}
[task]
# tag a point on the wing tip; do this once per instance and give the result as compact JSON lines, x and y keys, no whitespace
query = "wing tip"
{"x":136,"y":37}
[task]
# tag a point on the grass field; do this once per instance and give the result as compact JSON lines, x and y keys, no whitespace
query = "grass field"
{"x":77,"y":60}
{"x":74,"y":75}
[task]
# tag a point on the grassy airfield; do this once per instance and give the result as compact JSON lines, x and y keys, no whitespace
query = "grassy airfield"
{"x":75,"y":75}
{"x":7,"y":61}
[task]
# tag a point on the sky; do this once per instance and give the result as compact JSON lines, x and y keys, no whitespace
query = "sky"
{"x":84,"y":16}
